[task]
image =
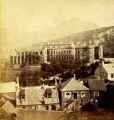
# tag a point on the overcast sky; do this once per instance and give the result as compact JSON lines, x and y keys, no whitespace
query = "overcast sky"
{"x":24,"y":21}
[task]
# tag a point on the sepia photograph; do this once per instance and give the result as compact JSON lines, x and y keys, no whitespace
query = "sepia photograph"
{"x":56,"y":59}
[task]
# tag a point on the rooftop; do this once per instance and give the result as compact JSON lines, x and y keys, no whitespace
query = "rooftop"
{"x":72,"y":85}
{"x":109,"y":67}
{"x":35,"y":95}
{"x":97,"y":85}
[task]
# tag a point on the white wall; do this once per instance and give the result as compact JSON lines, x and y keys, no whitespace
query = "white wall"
{"x":7,"y":87}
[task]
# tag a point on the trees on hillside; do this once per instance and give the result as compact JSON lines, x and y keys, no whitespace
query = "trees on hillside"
{"x":29,"y":78}
{"x":106,"y":99}
{"x":52,"y":69}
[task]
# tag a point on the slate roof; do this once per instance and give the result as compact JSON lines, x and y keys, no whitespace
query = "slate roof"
{"x":92,"y":77}
{"x":72,"y":85}
{"x":96,"y":85}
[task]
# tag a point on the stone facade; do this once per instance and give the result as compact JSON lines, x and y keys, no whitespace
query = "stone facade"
{"x":62,"y":52}
{"x":26,"y":57}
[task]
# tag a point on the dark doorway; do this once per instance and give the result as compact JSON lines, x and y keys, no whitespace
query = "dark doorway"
{"x":47,"y":107}
{"x":53,"y":107}
{"x":75,"y":95}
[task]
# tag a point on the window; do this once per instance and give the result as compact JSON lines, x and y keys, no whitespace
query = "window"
{"x":53,"y":107}
{"x":67,"y":95}
{"x":22,"y":94}
{"x":75,"y":95}
{"x":48,"y":93}
{"x":102,"y":74}
{"x":47,"y":107}
{"x":82,"y":94}
{"x":112,"y":75}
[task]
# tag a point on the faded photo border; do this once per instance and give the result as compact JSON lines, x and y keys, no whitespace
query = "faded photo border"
{"x":1,"y":27}
{"x":28,"y":33}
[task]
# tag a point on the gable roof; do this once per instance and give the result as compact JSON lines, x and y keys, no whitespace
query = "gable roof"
{"x":109,"y":67}
{"x":72,"y":85}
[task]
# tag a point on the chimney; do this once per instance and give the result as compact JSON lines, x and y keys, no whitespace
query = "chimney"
{"x":56,"y":82}
{"x":102,"y":62}
{"x":82,"y":82}
{"x":43,"y":84}
{"x":75,"y":76}
{"x":17,"y":81}
{"x":60,"y":82}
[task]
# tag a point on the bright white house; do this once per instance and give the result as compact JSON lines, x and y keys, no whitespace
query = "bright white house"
{"x":105,"y":72}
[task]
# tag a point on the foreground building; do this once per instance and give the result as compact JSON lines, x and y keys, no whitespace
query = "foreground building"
{"x":73,"y":91}
{"x":41,"y":97}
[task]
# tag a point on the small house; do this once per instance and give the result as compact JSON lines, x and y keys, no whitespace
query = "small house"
{"x":74,"y":91}
{"x":105,"y":71}
{"x":96,"y":87}
{"x":41,"y":97}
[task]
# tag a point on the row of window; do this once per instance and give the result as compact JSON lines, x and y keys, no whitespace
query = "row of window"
{"x":47,"y":94}
{"x":30,"y":53}
{"x":54,"y":52}
{"x":60,"y":58}
{"x":22,"y":59}
{"x":74,"y":95}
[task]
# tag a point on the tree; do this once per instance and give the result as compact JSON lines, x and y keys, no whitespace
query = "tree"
{"x":30,"y":77}
{"x":52,"y":69}
{"x":57,"y":68}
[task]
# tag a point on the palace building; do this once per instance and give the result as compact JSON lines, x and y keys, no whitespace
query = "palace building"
{"x":67,"y":53}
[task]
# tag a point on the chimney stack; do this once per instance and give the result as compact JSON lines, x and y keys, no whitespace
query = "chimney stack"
{"x":75,"y":76}
{"x":102,"y":62}
{"x":56,"y":82}
{"x":17,"y":81}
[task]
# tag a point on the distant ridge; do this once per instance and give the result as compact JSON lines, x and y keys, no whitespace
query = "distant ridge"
{"x":104,"y":36}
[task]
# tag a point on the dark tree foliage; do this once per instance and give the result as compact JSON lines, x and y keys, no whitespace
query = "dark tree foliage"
{"x":82,"y":70}
{"x":66,"y":75}
{"x":94,"y":66}
{"x":51,"y":69}
{"x":106,"y":99}
{"x":29,"y":77}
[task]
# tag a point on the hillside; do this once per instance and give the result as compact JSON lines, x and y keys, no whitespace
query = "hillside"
{"x":104,"y":36}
